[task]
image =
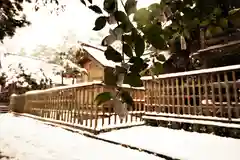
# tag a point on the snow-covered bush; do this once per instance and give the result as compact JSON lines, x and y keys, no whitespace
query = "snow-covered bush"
{"x":21,"y":80}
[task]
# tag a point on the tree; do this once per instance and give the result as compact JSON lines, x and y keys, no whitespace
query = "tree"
{"x":24,"y":81}
{"x":11,"y":17}
{"x":190,"y":22}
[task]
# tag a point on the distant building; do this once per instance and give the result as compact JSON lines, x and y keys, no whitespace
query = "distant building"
{"x":98,"y":67}
{"x":10,"y":64}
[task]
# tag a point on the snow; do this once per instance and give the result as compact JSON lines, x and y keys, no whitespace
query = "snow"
{"x":28,"y":139}
{"x":99,"y":56}
{"x":32,"y":65}
{"x":234,"y":120}
{"x":194,"y":121}
{"x":78,"y":85}
{"x":66,"y":87}
{"x":218,"y":46}
{"x":195,"y":72}
{"x":178,"y":143}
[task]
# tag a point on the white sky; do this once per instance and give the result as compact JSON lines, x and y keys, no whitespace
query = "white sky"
{"x":49,"y":29}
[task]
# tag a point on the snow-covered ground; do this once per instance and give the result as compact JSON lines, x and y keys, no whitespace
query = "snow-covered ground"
{"x":27,"y":139}
{"x":178,"y":143}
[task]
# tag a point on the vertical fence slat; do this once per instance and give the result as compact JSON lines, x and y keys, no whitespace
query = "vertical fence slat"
{"x":194,"y":96}
{"x":228,"y":96}
{"x":206,"y":95}
{"x":96,"y":91}
{"x":81,"y":95}
{"x":183,"y":96}
{"x":168,"y":96}
{"x":213,"y":96}
{"x":200,"y":109}
{"x":188,"y":96}
{"x":220,"y":94}
{"x":173,"y":96}
{"x":178,"y":96}
{"x":235,"y":88}
{"x":160,"y":96}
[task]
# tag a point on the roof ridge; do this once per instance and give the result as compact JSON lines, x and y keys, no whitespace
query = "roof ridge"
{"x":32,"y":57}
{"x":89,"y":45}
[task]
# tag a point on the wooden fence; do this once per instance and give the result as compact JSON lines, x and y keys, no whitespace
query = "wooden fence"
{"x":75,"y":104}
{"x":208,"y":92}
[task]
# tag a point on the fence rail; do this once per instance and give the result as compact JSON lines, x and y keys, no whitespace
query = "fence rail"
{"x":208,"y":92}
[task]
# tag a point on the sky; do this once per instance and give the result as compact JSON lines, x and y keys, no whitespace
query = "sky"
{"x":76,"y":22}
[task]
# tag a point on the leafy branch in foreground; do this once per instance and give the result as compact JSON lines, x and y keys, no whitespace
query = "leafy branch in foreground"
{"x":133,"y":44}
{"x":116,"y":100}
{"x":189,"y":19}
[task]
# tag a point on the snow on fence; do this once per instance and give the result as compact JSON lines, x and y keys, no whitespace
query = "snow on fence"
{"x":75,"y":104}
{"x":208,"y":92}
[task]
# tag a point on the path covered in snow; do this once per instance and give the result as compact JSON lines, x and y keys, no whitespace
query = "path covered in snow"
{"x":27,"y":139}
{"x":178,"y":143}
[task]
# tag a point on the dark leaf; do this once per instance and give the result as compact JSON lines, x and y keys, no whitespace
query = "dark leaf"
{"x":133,"y":80}
{"x":110,"y":6}
{"x":120,"y":16}
{"x":161,"y":58}
{"x":141,"y":16}
{"x":137,"y":65}
{"x":139,"y":45}
{"x":90,"y":1}
{"x":96,"y":9}
{"x":127,"y":50}
{"x":112,"y":54}
{"x":108,"y":40}
{"x":56,"y":1}
{"x":157,"y":68}
{"x":111,"y":19}
{"x":83,"y":2}
{"x":208,"y":33}
{"x":126,"y":26}
{"x":186,"y":33}
{"x":155,"y":6}
{"x":126,"y":97}
{"x":119,"y":70}
{"x":100,"y":23}
{"x":128,"y":39}
{"x":130,"y":6}
{"x":137,"y":69}
{"x":217,"y":30}
{"x":136,"y":60}
{"x":118,"y":32}
{"x":154,"y":35}
{"x":205,"y":23}
{"x":223,"y":22}
{"x":103,"y":98}
{"x":217,"y":11}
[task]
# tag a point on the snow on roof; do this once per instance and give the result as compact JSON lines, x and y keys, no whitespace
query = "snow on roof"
{"x":194,"y":72}
{"x":98,"y":54}
{"x":219,"y":46}
{"x":32,"y":65}
{"x":72,"y":65}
